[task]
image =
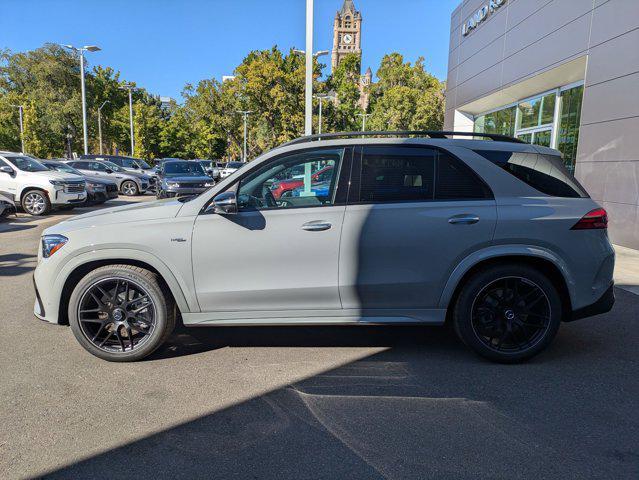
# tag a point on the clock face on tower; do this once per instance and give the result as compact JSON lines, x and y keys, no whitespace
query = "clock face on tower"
{"x":348,"y":39}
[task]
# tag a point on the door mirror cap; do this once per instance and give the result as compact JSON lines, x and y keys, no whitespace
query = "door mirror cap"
{"x":108,"y":170}
{"x":223,"y":204}
{"x":6,"y":169}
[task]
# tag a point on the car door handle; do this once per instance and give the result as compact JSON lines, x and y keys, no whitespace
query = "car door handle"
{"x":316,"y":226}
{"x":463,"y":219}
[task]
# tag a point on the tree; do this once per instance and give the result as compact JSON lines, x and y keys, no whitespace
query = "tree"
{"x":406,"y":97}
{"x":344,"y":81}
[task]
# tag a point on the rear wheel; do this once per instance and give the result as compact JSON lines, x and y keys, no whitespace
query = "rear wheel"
{"x":129,"y":188}
{"x":508,"y":313}
{"x":121,"y":313}
{"x":36,"y":202}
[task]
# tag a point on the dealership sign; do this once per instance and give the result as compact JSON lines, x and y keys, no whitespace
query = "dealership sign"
{"x":481,"y":15}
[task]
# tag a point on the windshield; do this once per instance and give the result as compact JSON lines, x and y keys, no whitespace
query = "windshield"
{"x":143,"y":164}
{"x":112,"y":166}
{"x":27,"y":164}
{"x":183,"y":169}
{"x":205,"y":163}
{"x":63,"y":167}
{"x":234,"y":165}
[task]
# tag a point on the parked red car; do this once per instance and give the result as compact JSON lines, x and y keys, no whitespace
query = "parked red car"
{"x":286,"y":186}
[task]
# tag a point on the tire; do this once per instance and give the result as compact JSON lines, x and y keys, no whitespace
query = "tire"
{"x":36,"y":203}
{"x":118,"y":325}
{"x":508,"y":313}
{"x":129,"y":188}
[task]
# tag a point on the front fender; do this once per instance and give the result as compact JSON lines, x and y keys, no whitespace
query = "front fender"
{"x":496,"y":251}
{"x":186,"y":302}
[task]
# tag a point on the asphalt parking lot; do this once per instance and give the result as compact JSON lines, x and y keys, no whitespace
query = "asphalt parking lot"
{"x":310,"y":402}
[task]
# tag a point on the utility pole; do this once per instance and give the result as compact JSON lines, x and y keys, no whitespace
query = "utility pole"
{"x":364,"y":117}
{"x":80,"y":51}
{"x":308,"y":99}
{"x":20,"y":108}
{"x":100,"y":123}
{"x":245,"y":114}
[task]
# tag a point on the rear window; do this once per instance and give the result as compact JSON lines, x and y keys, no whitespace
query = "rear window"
{"x":545,"y":173}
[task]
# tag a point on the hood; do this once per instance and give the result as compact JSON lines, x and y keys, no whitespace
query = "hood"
{"x":137,"y":213}
{"x":55,"y":175}
{"x":188,"y":179}
{"x":140,"y":175}
{"x":98,"y":180}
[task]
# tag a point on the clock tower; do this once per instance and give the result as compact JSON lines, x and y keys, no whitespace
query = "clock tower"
{"x":347,"y":33}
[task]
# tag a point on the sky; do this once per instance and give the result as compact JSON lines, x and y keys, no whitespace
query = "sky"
{"x":164,"y":44}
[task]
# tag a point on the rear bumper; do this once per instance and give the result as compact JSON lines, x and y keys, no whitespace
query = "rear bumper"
{"x":603,"y":305}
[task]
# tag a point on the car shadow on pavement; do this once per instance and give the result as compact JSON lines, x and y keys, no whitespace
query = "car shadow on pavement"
{"x":14,"y":264}
{"x":423,"y":408}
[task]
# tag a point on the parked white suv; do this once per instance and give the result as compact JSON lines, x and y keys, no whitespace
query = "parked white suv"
{"x":36,"y":188}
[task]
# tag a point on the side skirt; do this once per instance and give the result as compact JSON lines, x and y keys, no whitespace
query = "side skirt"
{"x":317,"y":317}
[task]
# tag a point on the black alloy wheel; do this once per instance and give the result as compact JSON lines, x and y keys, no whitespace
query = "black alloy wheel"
{"x":511,"y":314}
{"x":116,"y":315}
{"x":507,"y":313}
{"x":121,"y":313}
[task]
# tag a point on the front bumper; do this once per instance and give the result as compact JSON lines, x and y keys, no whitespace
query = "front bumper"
{"x":603,"y":305}
{"x":60,"y":197}
{"x":180,"y":192}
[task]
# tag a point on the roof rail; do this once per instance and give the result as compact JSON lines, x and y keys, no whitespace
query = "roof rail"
{"x":403,"y":133}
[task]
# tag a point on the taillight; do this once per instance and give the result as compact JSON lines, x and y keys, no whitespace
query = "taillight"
{"x":596,"y":219}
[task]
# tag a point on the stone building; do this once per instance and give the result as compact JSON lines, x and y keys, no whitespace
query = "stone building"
{"x":347,"y":39}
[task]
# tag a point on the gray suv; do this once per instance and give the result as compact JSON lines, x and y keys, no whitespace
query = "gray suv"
{"x":492,"y":236}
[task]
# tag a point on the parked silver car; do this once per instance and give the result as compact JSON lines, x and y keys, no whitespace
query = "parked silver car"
{"x":129,"y":183}
{"x":493,"y":236}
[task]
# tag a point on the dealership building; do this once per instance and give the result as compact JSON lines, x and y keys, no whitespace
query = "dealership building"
{"x":559,"y":73}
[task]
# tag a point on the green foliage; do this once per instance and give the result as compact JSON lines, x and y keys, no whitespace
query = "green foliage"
{"x":207,"y":124}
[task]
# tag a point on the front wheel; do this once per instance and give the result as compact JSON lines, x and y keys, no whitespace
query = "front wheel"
{"x":121,"y":313}
{"x":508,"y":313}
{"x":129,"y":188}
{"x":36,"y":202}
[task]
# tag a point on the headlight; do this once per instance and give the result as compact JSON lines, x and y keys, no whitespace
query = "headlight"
{"x":57,"y":183}
{"x":209,"y":184}
{"x":95,"y":186}
{"x":172,"y":184}
{"x":52,"y":243}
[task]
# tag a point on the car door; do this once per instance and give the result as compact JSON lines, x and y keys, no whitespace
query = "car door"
{"x":8,"y":184}
{"x":274,"y":255}
{"x":413,"y":213}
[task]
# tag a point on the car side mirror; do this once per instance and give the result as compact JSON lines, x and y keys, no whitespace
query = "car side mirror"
{"x":108,"y":170}
{"x":6,"y":169}
{"x":223,"y":204}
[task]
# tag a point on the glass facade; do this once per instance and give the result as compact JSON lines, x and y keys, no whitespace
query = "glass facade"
{"x":550,"y":119}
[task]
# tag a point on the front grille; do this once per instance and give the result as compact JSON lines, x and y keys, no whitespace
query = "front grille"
{"x":191,"y":185}
{"x":74,"y":187}
{"x":152,"y":180}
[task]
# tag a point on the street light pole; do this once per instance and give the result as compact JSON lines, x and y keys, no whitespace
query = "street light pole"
{"x":130,"y":88}
{"x":20,"y":107}
{"x":308,"y":100}
{"x":364,"y":117}
{"x":100,"y":123}
{"x":323,"y":96}
{"x":80,"y":51}
{"x":245,"y":113}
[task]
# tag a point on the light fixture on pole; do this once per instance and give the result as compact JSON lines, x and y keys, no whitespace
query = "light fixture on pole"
{"x":20,"y":109}
{"x":130,"y":88}
{"x":100,"y":123}
{"x":323,"y":96}
{"x":80,"y":51}
{"x":364,"y":117}
{"x":245,"y":114}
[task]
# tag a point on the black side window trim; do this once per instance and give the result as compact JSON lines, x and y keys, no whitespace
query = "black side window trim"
{"x":356,"y":170}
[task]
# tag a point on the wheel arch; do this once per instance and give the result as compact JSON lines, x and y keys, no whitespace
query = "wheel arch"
{"x":24,"y":191}
{"x":78,"y":270}
{"x":544,"y":261}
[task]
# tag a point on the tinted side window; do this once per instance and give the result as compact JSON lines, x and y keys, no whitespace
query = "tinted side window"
{"x":395,"y":174}
{"x":456,"y":181}
{"x":545,"y":173}
{"x":80,"y":165}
